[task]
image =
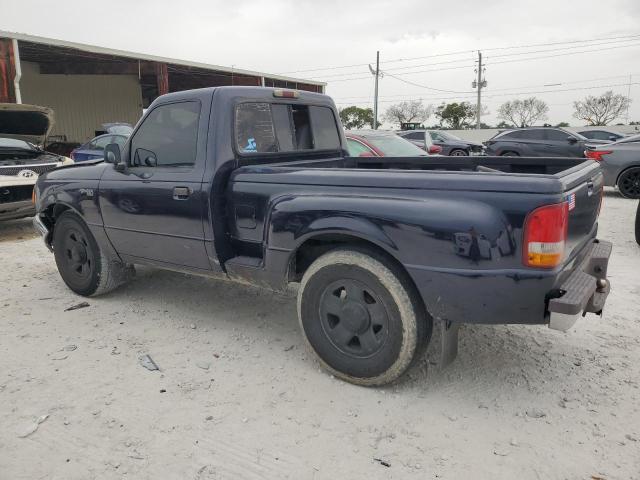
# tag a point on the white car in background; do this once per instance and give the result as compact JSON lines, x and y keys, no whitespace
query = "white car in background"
{"x":22,"y":129}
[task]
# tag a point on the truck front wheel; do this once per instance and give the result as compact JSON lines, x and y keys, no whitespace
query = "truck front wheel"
{"x":82,"y":265}
{"x":361,"y":316}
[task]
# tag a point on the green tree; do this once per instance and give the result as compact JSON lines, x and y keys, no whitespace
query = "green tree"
{"x":562,"y":124}
{"x":355,"y":117}
{"x":456,"y":116}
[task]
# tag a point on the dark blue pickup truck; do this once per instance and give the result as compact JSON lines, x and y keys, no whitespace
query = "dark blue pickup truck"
{"x":256,"y":184}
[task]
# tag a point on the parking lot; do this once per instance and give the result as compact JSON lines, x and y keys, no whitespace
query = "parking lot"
{"x":238,"y":396}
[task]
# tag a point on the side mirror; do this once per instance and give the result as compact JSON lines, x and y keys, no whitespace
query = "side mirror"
{"x":112,"y":155}
{"x":572,"y":139}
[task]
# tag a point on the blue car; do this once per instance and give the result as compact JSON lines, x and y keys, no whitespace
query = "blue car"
{"x":95,"y":148}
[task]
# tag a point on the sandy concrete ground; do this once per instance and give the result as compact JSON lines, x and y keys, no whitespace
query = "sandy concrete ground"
{"x":239,"y":397}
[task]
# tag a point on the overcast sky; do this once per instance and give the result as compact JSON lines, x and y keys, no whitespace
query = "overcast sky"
{"x":291,"y":36}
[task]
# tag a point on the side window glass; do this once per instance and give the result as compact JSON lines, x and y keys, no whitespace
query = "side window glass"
{"x":119,"y":140}
{"x":556,"y":135}
{"x":356,"y":148}
{"x":167,"y":137}
{"x":325,"y":129}
{"x":282,"y":125}
{"x":254,"y":128}
{"x":102,"y":142}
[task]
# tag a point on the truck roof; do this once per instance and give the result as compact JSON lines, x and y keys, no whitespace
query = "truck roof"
{"x":252,"y":93}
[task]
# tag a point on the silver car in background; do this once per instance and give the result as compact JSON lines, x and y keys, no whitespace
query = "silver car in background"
{"x":620,"y":163}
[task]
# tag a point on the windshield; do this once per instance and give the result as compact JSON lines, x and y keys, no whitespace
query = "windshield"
{"x":394,"y":146}
{"x":120,"y":129}
{"x":16,"y":144}
{"x":449,"y":136}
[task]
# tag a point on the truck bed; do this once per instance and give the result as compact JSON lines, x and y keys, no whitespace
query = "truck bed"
{"x":507,"y":174}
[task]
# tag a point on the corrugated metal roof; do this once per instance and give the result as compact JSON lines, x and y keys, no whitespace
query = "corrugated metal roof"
{"x":153,"y":58}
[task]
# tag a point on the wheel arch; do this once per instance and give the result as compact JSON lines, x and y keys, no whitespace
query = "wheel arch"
{"x":316,"y":245}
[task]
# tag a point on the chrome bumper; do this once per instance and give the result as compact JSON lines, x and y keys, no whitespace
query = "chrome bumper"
{"x":43,"y":230}
{"x":585,"y":291}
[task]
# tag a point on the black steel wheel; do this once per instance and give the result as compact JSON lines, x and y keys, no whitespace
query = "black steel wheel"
{"x":82,"y":265}
{"x":354,"y":318}
{"x":361,"y":316}
{"x":629,"y":183}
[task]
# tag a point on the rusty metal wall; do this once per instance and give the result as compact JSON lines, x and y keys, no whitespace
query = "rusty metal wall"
{"x":82,"y":102}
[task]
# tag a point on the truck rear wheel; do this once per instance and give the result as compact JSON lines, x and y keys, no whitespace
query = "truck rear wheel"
{"x":361,"y":316}
{"x":82,"y":265}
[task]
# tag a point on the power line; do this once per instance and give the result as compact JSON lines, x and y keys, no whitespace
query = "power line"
{"x":562,"y":54}
{"x":502,"y":94}
{"x":424,"y":86}
{"x":488,"y":63}
{"x":459,"y":52}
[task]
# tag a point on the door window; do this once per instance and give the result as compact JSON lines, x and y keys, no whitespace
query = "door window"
{"x":356,"y":148}
{"x":556,"y":135}
{"x":167,"y":137}
{"x":533,"y":134}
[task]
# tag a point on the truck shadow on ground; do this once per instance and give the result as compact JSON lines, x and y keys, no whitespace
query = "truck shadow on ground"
{"x":21,"y":229}
{"x":490,"y":356}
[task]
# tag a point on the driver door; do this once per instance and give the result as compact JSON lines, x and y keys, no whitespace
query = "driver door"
{"x":153,"y":209}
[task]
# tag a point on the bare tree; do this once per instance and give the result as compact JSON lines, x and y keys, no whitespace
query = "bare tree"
{"x":601,"y":110}
{"x":405,"y":112}
{"x":523,"y":113}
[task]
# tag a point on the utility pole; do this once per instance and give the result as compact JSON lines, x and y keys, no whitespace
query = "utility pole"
{"x":375,"y":94}
{"x":479,"y":105}
{"x":629,"y":96}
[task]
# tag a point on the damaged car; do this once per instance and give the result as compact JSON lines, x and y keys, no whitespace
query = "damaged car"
{"x":22,"y":129}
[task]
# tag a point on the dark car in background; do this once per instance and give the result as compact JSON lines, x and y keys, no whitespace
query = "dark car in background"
{"x":620,"y":162}
{"x":538,"y":142}
{"x":599,"y":134}
{"x":95,"y":148}
{"x":450,"y":144}
{"x":380,"y":143}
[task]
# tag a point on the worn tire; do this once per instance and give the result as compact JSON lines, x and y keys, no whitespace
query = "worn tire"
{"x":99,"y":273}
{"x":407,"y":329}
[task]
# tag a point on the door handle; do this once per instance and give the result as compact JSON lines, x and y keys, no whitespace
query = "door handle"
{"x":181,"y":193}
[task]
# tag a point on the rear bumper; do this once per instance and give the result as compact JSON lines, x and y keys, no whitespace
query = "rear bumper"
{"x":522,"y":296}
{"x":584,"y":291}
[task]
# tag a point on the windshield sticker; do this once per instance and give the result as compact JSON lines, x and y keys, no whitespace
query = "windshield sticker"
{"x":250,"y":146}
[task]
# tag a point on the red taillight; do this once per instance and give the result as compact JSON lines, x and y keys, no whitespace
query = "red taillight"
{"x":545,"y":234}
{"x":597,"y":154}
{"x":433,"y":149}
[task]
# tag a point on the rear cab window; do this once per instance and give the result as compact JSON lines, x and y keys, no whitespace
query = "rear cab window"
{"x":263,"y":127}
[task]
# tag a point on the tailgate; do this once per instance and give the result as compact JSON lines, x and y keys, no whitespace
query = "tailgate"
{"x":584,"y":206}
